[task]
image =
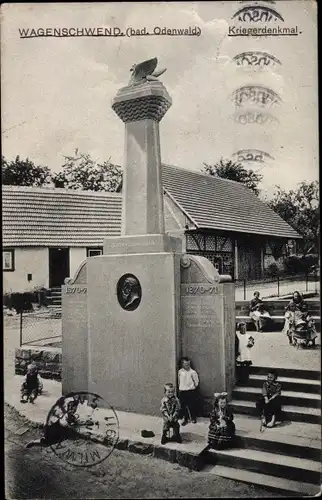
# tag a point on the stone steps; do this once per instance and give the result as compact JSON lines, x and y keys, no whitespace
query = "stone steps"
{"x":298,"y":405}
{"x":287,"y":372}
{"x":268,"y":463}
{"x":281,"y":440}
{"x":286,"y":458}
{"x":282,"y":485}
{"x":289,"y":383}
{"x":289,"y":398}
{"x":295,"y":413}
{"x":56,"y":296}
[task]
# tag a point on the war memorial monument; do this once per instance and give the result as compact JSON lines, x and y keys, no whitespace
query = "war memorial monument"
{"x":130,"y":314}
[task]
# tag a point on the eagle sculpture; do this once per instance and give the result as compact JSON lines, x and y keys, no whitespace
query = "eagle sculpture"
{"x":145,"y":71}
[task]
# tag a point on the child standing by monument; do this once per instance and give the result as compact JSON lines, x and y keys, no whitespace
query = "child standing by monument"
{"x":170,"y":409}
{"x":188,"y":381}
{"x":222,"y":428}
{"x":243,"y":358}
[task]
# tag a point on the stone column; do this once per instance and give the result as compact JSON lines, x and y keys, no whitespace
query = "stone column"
{"x":262,"y":262}
{"x":236,"y":259}
{"x":141,"y":107}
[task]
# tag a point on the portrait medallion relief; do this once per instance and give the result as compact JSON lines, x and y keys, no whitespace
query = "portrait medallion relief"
{"x":129,"y":292}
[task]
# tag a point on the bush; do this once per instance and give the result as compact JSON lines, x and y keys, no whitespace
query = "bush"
{"x":22,"y":301}
{"x":295,"y":264}
{"x":272,"y":270}
{"x":311,"y":261}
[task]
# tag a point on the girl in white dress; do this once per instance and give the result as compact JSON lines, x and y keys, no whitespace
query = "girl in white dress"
{"x":243,"y":358}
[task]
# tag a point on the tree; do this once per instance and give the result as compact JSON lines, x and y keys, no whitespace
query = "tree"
{"x":82,"y":172}
{"x":24,"y":173}
{"x":300,"y":209}
{"x":227,"y":169}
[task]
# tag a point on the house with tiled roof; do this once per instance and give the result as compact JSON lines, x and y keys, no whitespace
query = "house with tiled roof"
{"x":48,"y":232}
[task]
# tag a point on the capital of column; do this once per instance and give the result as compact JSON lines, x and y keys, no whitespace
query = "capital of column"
{"x":149,"y":100}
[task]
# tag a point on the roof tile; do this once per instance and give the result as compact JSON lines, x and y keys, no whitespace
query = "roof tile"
{"x":55,"y":217}
{"x":215,"y":203}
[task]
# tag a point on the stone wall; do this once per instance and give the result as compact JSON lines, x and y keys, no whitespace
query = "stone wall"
{"x":48,"y":360}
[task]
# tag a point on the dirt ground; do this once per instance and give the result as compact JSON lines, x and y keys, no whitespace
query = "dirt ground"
{"x":36,"y":473}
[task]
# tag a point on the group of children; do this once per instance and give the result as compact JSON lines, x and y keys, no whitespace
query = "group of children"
{"x":173,"y":409}
{"x":185,"y":407}
{"x":222,"y":428}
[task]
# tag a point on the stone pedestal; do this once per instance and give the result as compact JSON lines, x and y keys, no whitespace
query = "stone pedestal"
{"x":133,"y":351}
{"x":208,"y":324}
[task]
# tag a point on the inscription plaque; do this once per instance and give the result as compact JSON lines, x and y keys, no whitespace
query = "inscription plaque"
{"x":197,"y":289}
{"x":75,"y":289}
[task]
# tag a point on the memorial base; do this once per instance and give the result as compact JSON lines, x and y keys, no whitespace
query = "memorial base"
{"x":133,"y":353}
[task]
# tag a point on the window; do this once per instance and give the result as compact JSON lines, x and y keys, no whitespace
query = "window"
{"x":8,"y":260}
{"x":91,"y":252}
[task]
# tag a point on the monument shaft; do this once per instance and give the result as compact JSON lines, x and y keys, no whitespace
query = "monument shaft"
{"x":142,"y":214}
{"x":141,"y":107}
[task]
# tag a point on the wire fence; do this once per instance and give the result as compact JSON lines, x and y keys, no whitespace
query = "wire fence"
{"x":277,"y":287}
{"x":40,"y":328}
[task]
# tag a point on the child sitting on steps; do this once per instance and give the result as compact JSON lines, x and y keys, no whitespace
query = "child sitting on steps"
{"x":170,"y":409}
{"x":222,"y":428}
{"x":269,"y":403}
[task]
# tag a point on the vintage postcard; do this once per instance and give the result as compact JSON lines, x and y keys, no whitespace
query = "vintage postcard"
{"x":161,"y":266}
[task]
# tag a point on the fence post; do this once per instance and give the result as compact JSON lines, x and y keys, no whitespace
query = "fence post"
{"x":306,"y":282}
{"x":244,"y":288}
{"x":278,"y":286}
{"x":20,"y":329}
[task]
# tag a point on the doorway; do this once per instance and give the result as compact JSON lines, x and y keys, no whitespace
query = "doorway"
{"x":58,"y":266}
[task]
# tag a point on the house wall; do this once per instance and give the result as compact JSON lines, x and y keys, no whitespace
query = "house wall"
{"x":31,"y":260}
{"x":76,"y":257}
{"x":216,"y":247}
{"x":35,"y":261}
{"x":249,"y":260}
{"x":174,"y":221}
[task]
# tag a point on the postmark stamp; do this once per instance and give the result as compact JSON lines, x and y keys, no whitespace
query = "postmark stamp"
{"x":81,"y":429}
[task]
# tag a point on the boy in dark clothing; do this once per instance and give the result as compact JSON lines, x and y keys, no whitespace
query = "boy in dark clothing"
{"x":170,"y":409}
{"x":31,"y":386}
{"x":63,"y":419}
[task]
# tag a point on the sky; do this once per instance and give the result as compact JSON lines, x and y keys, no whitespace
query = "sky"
{"x":57,"y":92}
